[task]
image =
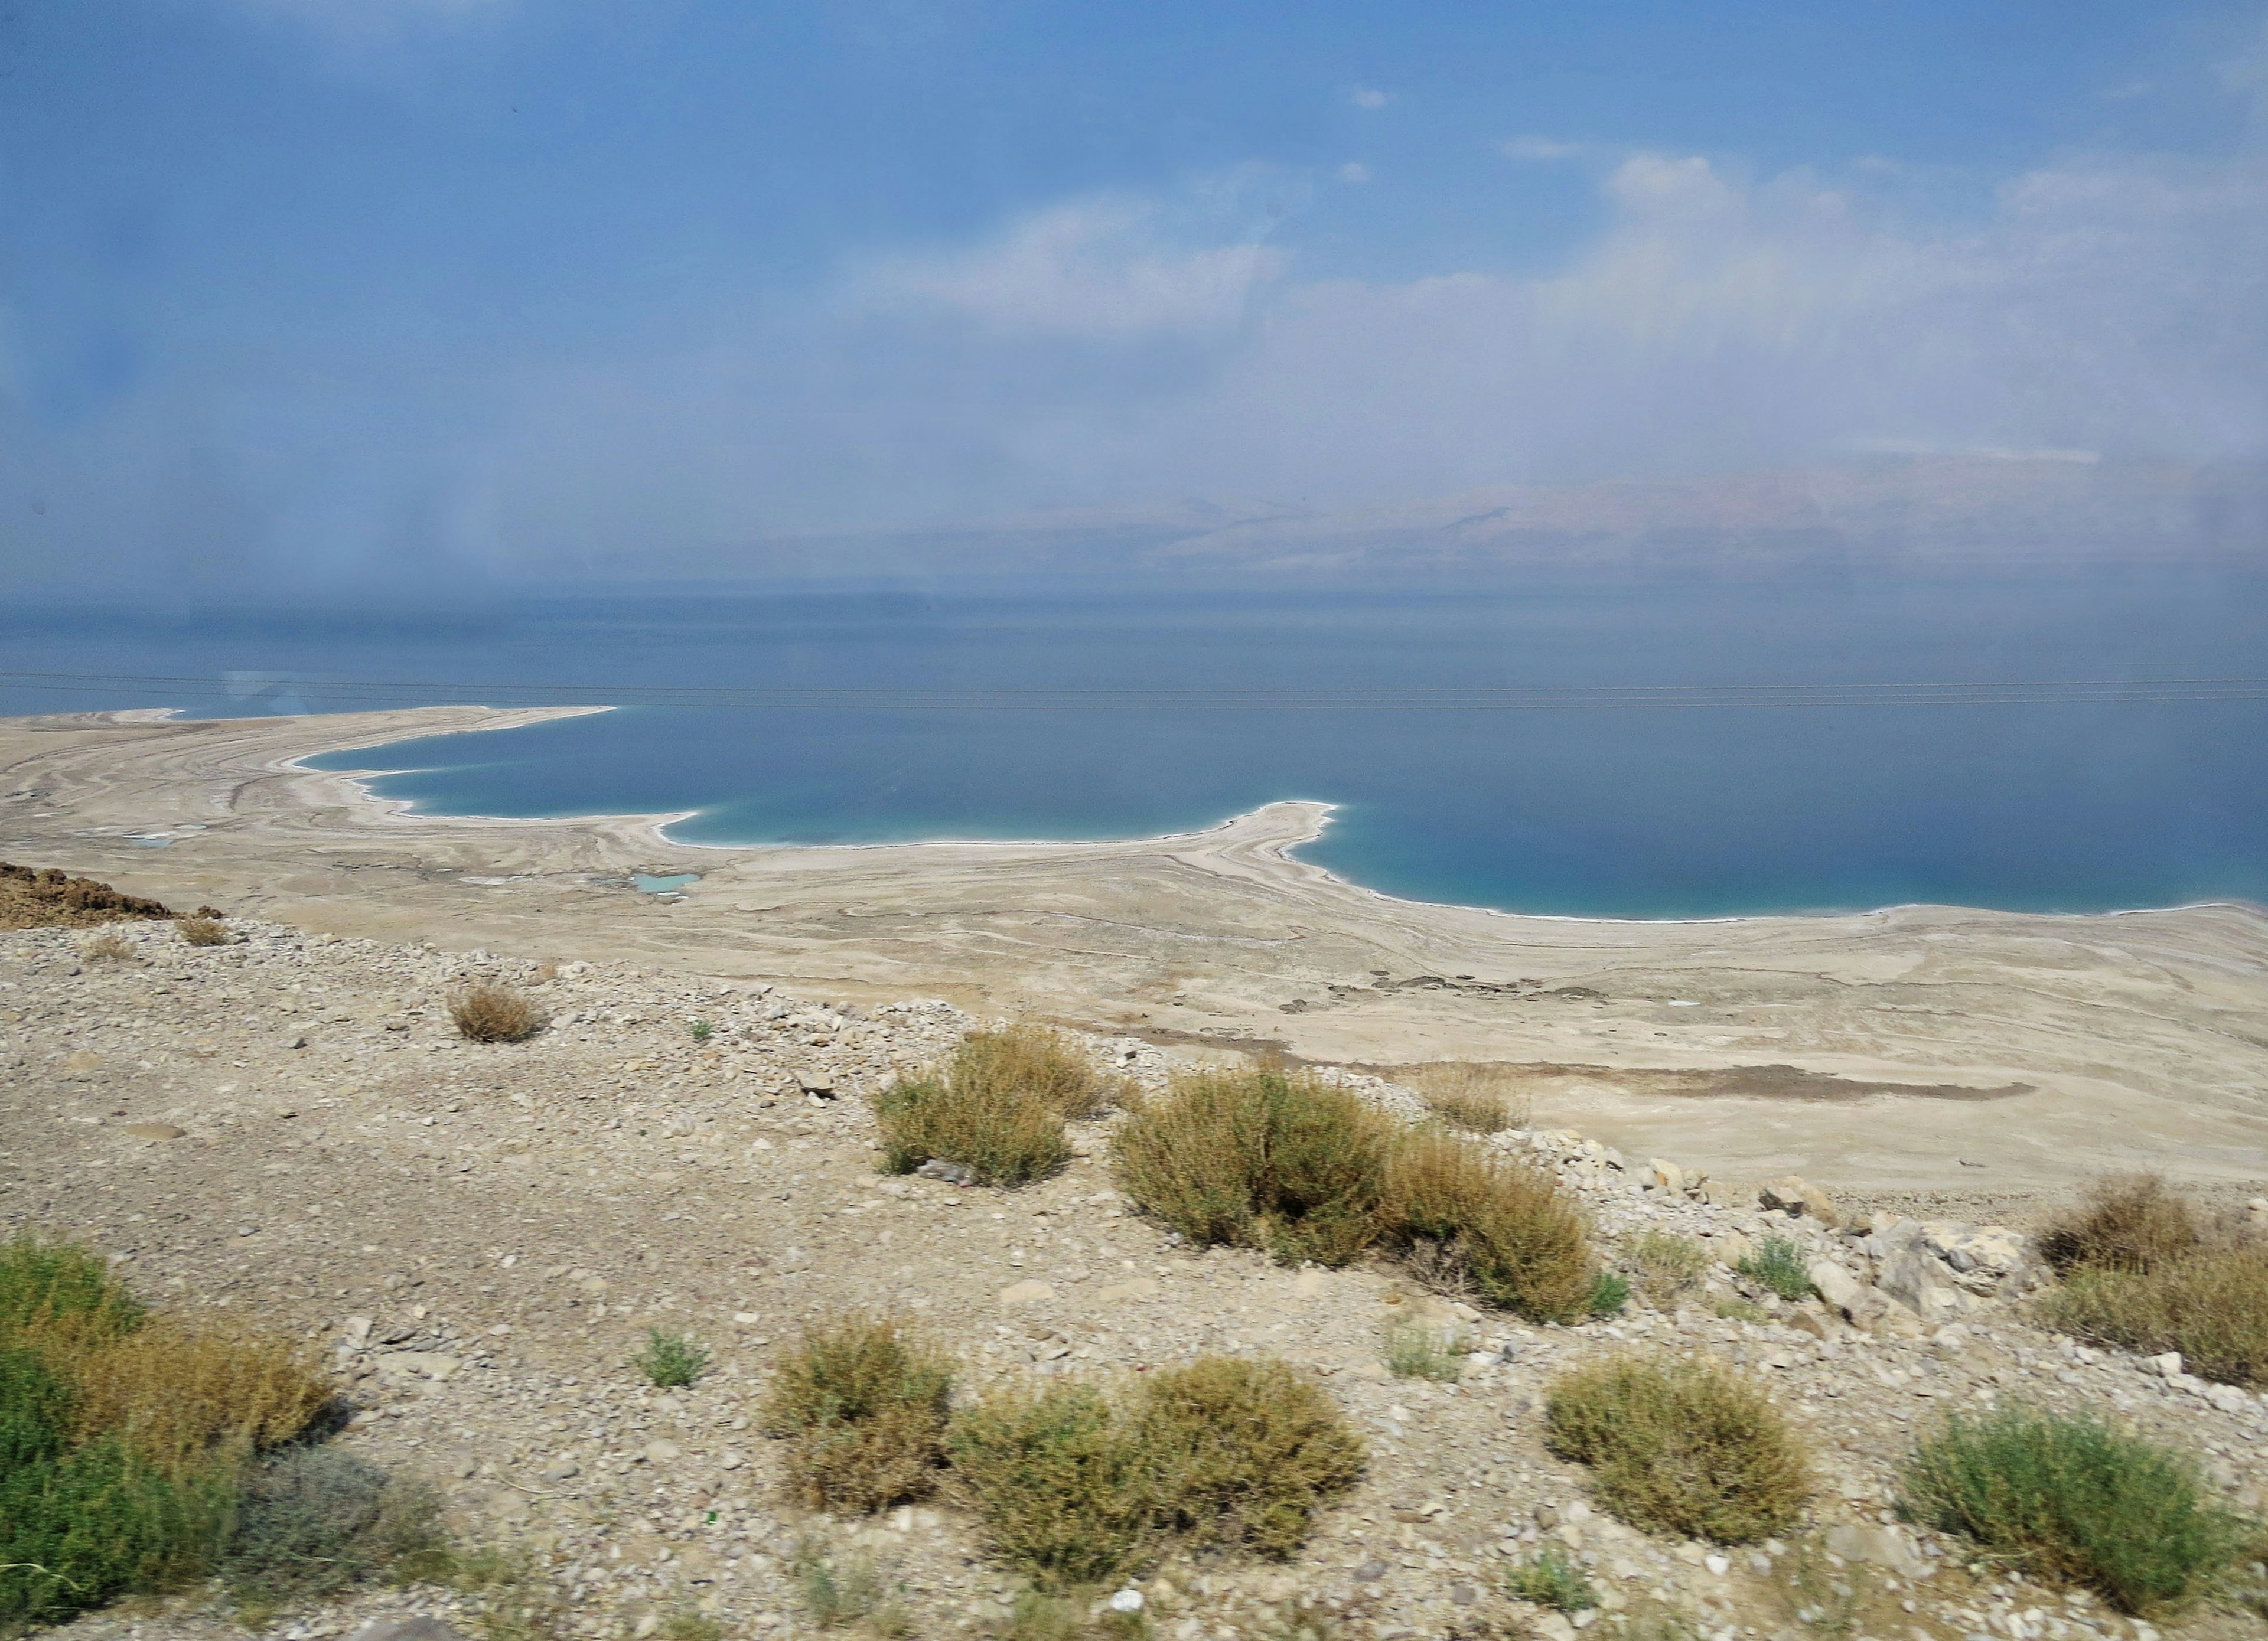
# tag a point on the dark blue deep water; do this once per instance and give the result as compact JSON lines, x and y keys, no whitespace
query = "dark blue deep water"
{"x":1681,"y":750}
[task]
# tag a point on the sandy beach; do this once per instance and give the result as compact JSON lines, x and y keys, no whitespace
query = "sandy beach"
{"x":1918,"y":1048}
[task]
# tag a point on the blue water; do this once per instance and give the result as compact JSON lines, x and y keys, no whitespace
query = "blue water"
{"x":1675,"y":810}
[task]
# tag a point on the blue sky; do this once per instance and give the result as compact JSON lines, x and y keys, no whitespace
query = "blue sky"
{"x":380,"y":282}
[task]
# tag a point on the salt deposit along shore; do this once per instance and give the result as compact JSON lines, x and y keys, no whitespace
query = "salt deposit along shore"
{"x":1962,"y":1053}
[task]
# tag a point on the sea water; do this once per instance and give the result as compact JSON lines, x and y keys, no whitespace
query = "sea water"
{"x":1667,"y":749}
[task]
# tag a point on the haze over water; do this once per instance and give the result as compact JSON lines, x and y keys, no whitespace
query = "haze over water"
{"x":1562,"y":805}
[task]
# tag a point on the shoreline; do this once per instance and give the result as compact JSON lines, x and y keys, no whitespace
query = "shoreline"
{"x":1326,"y":809}
{"x":2143,"y":1033}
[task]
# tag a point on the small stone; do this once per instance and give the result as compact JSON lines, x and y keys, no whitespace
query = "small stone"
{"x":293,"y":1039}
{"x":731,"y":1462}
{"x":1719,"y":1564}
{"x":1124,"y":1292}
{"x":660,"y":1452}
{"x":1126,"y":1601}
{"x":1370,"y":1572}
{"x":2166,"y":1366}
{"x":566,"y":1472}
{"x":418,"y":1629}
{"x":83,"y":1062}
{"x":153,"y":1130}
{"x":1025,"y":1293}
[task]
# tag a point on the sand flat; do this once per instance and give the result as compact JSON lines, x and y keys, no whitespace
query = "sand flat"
{"x":2136,"y":1040}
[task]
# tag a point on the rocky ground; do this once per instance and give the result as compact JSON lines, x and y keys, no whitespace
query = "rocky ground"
{"x":478,"y":1237}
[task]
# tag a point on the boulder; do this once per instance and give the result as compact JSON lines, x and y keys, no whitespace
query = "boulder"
{"x":1874,"y":1546}
{"x":1796,"y":1196}
{"x":1925,"y":1286}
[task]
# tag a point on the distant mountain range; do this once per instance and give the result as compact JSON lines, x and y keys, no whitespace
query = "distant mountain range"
{"x":1933,"y":513}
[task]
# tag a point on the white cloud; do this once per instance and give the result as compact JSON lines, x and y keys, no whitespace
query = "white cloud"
{"x":1539,"y":148}
{"x":1354,"y":170}
{"x":1103,"y":267}
{"x":1365,"y":97}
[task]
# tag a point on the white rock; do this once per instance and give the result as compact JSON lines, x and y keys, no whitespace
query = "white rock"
{"x":1126,"y":1601}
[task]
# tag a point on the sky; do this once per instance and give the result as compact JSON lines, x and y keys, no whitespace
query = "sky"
{"x":350,"y":291}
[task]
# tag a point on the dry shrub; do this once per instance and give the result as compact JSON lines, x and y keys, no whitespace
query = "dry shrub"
{"x":177,"y":1393}
{"x":109,"y":946}
{"x":1680,"y":1444}
{"x":485,"y":1011}
{"x":204,"y":931}
{"x":1503,"y":1230}
{"x":2134,"y":1223}
{"x":1283,"y":1161}
{"x":863,"y":1404}
{"x":2211,"y":1307}
{"x":1484,"y":1098}
{"x":998,"y":1107}
{"x":47,"y":899}
{"x":1075,"y":1486}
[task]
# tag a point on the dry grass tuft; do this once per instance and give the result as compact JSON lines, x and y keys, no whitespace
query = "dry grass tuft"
{"x":997,"y":1108}
{"x":204,"y":931}
{"x":2211,"y":1307}
{"x":1680,"y":1444}
{"x":485,"y":1011}
{"x":1665,"y":1266}
{"x":1278,"y":1160}
{"x":1484,"y":1098}
{"x":2135,"y":1224}
{"x":863,"y":1404}
{"x":109,"y":946}
{"x":1473,"y":1221}
{"x":1075,"y":1486}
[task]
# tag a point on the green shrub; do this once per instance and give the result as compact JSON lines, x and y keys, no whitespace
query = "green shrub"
{"x":1471,"y":1221}
{"x":2072,"y":1500}
{"x":46,"y":1284}
{"x":1610,"y":1293}
{"x":1075,"y":1487}
{"x":670,"y":1359}
{"x":1550,"y":1578}
{"x":863,"y":1404}
{"x":1280,"y":1161}
{"x":1665,"y":1266}
{"x":2134,"y":1223}
{"x":997,"y":1108}
{"x":1778,"y":1264}
{"x":1414,"y":1350}
{"x":2211,"y":1307}
{"x":1680,"y":1444}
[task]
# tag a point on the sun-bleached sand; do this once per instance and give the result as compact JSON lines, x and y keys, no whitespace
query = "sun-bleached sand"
{"x":1914,"y":1047}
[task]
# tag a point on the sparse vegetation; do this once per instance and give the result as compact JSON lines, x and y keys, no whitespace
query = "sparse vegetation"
{"x":1478,"y":1097}
{"x":109,"y":946}
{"x":670,"y":1359}
{"x":1778,"y":1264}
{"x":2144,"y":1272}
{"x":1680,"y":1444}
{"x":1735,"y":1309}
{"x":486,"y":1012}
{"x":47,"y":899}
{"x":1665,"y":1267}
{"x":863,"y":1404}
{"x":1414,"y":1350}
{"x":1278,"y":1160}
{"x":1610,"y":1293}
{"x":1550,"y":1578}
{"x":202,"y":931}
{"x":1074,"y":1486}
{"x":1505,"y":1232}
{"x":997,"y":1108}
{"x":2070,"y":1499}
{"x":701,"y":1031}
{"x":846,"y":1589}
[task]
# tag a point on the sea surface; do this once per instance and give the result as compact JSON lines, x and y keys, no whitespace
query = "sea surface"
{"x":1657,"y":750}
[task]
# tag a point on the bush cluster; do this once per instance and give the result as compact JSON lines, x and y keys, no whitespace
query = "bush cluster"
{"x":1308,"y":1171}
{"x":2142,"y":1273}
{"x":998,"y":1107}
{"x":485,"y":1011}
{"x":1680,"y":1444}
{"x":130,"y":1444}
{"x":1075,"y":1485}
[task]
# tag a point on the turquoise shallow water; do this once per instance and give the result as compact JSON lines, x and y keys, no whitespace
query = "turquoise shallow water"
{"x":1611,"y":789}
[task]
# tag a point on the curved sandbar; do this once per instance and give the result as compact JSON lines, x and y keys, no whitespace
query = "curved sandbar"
{"x":2042,"y":1047}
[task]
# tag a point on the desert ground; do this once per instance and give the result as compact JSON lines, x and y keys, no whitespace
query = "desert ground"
{"x":1980,"y":1057}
